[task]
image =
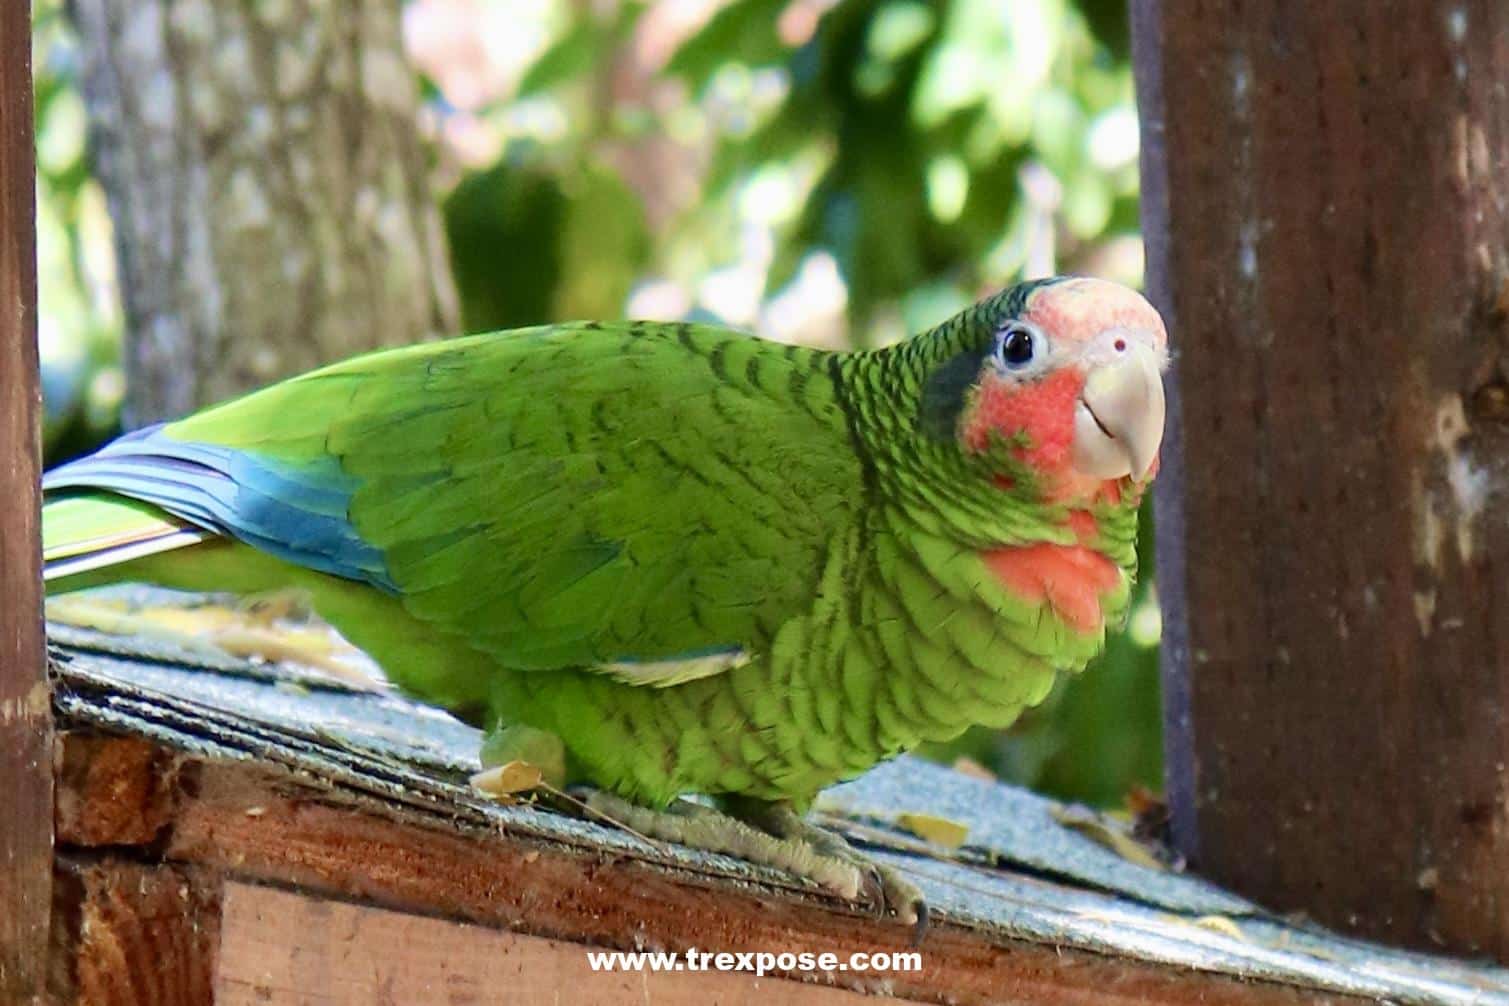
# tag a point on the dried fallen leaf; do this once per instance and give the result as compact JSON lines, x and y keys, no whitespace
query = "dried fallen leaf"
{"x":509,"y":779}
{"x":1142,"y":802}
{"x":938,"y":830}
{"x":1223,"y":925}
{"x":966,"y":765}
{"x":1150,"y":816}
{"x":1098,"y":829}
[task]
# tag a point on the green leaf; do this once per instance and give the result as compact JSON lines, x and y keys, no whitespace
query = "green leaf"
{"x":1108,"y":20}
{"x":504,"y":229}
{"x":586,"y":46}
{"x":742,"y":32}
{"x":604,"y":246}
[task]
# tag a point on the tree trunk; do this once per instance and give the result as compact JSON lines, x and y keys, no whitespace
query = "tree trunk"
{"x":269,"y":193}
{"x":1327,"y":213}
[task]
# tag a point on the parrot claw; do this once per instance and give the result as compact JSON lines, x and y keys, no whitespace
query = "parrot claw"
{"x":908,"y":905}
{"x":891,"y":894}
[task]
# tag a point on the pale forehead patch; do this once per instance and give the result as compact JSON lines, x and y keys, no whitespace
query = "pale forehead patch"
{"x":1081,"y":308}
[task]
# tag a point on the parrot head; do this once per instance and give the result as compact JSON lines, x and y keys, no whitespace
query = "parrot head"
{"x":1058,"y":384}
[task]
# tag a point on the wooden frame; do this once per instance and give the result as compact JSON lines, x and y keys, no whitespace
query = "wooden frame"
{"x":223,"y":882}
{"x":1327,"y":223}
{"x":25,"y":712}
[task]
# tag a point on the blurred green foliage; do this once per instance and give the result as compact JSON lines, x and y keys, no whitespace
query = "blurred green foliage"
{"x":841,"y":172}
{"x":79,"y":312}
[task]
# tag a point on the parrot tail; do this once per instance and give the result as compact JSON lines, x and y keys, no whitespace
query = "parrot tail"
{"x":94,"y":531}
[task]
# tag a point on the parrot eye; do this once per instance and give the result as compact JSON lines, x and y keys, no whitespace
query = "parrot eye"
{"x":1019,"y":346}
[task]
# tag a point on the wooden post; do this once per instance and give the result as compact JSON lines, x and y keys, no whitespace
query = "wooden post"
{"x":25,"y":710}
{"x":1327,"y":213}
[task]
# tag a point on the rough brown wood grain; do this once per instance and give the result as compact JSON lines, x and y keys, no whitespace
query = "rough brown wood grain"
{"x":25,"y":715}
{"x":134,"y":934}
{"x":278,"y":946}
{"x":269,"y":193}
{"x":113,"y":791}
{"x":247,"y":824}
{"x":150,"y":910}
{"x":217,"y":827}
{"x":1326,"y":202}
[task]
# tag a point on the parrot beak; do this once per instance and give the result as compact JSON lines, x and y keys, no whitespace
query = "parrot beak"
{"x":1118,"y":423}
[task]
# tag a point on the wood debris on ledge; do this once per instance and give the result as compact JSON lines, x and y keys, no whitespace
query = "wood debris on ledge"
{"x":238,"y":832}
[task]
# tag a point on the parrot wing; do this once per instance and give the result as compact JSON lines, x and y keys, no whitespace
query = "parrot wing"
{"x":648,"y":500}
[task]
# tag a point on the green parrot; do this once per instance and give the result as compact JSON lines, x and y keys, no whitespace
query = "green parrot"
{"x":667,"y":559}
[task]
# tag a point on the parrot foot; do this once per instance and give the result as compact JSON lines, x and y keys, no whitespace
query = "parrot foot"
{"x":899,"y":897}
{"x":773,"y":834}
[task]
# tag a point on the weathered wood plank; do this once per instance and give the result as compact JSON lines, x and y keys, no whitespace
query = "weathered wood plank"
{"x":247,"y":824}
{"x":257,"y":824}
{"x":1327,"y":216}
{"x":278,"y":947}
{"x":134,"y":934}
{"x":113,"y":791}
{"x":25,"y":739}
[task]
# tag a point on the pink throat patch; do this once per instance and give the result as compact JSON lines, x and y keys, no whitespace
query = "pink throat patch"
{"x":1070,"y":579}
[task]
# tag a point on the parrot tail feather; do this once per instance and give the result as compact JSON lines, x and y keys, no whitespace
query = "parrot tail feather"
{"x":81,"y":534}
{"x":293,"y":511}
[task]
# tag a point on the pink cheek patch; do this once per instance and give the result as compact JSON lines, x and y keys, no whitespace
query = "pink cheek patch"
{"x":1070,"y":579}
{"x":1042,"y":410}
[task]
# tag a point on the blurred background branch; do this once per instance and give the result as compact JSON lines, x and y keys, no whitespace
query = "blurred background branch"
{"x":831,"y":172}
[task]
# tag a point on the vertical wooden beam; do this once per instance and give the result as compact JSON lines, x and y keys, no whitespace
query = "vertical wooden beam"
{"x":138,"y":934}
{"x":1327,"y":212}
{"x":1168,"y":491}
{"x":25,"y":727}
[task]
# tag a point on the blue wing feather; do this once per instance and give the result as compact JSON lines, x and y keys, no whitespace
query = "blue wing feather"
{"x":297,"y":513}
